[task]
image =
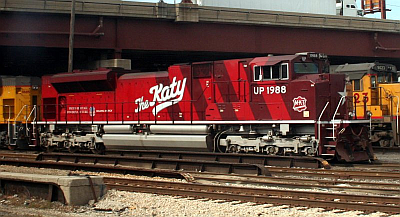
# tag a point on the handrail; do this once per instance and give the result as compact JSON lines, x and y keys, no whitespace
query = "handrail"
{"x":319,"y":121}
{"x":16,"y":117}
{"x":334,"y":115}
{"x":29,"y":116}
{"x":15,"y":120}
{"x":8,"y":122}
{"x":397,"y":117}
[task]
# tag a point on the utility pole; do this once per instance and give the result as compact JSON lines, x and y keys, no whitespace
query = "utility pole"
{"x":71,"y":37}
{"x":383,"y":8}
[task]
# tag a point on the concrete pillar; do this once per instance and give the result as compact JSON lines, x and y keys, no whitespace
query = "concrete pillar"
{"x":186,"y":12}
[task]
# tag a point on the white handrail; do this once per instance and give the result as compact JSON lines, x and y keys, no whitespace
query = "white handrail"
{"x":8,"y":123}
{"x":334,"y":115}
{"x":20,"y":111}
{"x":15,"y":119}
{"x":29,"y":116}
{"x":319,"y":121}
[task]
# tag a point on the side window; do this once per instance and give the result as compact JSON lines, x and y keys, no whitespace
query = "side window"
{"x":284,"y":71}
{"x":267,"y":72}
{"x":275,"y":72}
{"x":373,"y":81}
{"x":257,"y":73}
{"x":357,"y":85}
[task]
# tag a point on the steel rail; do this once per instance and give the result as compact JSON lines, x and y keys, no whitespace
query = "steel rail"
{"x":90,"y":167}
{"x":386,"y":149}
{"x":130,"y":164}
{"x":368,"y":167}
{"x":389,"y":189}
{"x":260,"y":195}
{"x":303,"y":180}
{"x":339,"y":174}
{"x":196,"y":165}
{"x":267,"y":160}
{"x":159,"y":163}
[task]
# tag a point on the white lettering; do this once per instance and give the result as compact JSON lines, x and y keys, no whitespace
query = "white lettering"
{"x":165,"y":95}
{"x":270,"y":90}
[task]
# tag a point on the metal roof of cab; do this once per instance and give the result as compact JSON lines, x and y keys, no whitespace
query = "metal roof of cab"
{"x":354,"y":68}
{"x":355,"y":71}
{"x":272,"y":60}
{"x":19,"y":81}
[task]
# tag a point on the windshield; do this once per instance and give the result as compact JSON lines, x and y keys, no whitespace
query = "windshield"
{"x":306,"y":68}
{"x":385,"y":78}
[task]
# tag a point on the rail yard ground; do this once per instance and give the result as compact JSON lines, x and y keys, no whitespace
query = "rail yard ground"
{"x":124,"y":203}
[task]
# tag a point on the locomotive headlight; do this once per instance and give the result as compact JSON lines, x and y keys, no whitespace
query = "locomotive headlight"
{"x":369,"y":114}
{"x":351,"y":114}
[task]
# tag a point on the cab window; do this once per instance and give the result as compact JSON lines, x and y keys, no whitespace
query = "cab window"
{"x":373,"y":81}
{"x":275,"y":72}
{"x":381,"y":78}
{"x":284,"y":70}
{"x":257,"y":73}
{"x":306,"y":68}
{"x":357,"y":84}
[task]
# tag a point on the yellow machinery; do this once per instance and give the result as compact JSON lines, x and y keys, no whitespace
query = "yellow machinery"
{"x":376,"y":91}
{"x":18,"y":97}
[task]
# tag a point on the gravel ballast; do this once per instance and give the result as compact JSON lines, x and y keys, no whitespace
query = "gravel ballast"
{"x":120,"y":203}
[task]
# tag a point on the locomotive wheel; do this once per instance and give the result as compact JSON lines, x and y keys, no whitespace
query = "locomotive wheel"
{"x":11,"y":147}
{"x":384,"y":143}
{"x":73,"y":149}
{"x":50,"y":148}
{"x":98,"y":148}
{"x":233,"y":149}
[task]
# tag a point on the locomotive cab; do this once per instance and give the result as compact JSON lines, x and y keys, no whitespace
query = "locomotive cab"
{"x":301,"y":102}
{"x":376,"y":96}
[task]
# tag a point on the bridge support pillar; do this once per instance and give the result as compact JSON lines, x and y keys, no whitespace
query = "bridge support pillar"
{"x":186,"y":12}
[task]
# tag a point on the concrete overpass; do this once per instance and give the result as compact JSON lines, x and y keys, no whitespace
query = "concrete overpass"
{"x":35,"y":33}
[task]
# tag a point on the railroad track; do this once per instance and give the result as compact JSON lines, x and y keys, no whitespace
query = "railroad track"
{"x":282,"y":177}
{"x":260,"y":195}
{"x":296,"y":184}
{"x":135,"y":165}
{"x":335,"y":174}
{"x":394,"y":167}
{"x":266,"y":160}
{"x":169,"y":166}
{"x":386,"y":149}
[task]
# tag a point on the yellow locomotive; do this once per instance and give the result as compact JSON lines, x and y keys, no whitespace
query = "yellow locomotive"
{"x":376,"y":90}
{"x":19,"y":96}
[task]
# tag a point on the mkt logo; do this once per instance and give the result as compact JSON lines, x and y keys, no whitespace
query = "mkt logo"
{"x":299,"y":104}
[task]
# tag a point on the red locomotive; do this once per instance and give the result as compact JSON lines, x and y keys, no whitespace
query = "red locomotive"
{"x":276,"y":105}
